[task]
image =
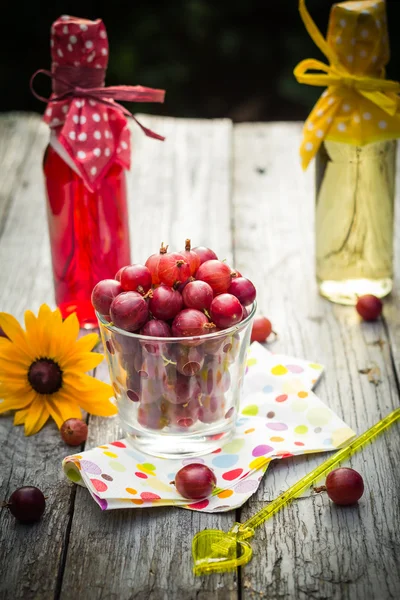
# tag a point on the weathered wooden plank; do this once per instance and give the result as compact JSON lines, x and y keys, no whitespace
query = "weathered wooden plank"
{"x":307,"y":554}
{"x":178,"y":189}
{"x":392,"y":304}
{"x":30,"y":556}
{"x":17,"y":136}
{"x":314,"y":549}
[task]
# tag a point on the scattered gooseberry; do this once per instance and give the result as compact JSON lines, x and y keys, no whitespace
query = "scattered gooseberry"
{"x":344,"y":486}
{"x":261,"y":330}
{"x":27,"y":504}
{"x":369,"y":307}
{"x":74,"y":432}
{"x":195,"y":481}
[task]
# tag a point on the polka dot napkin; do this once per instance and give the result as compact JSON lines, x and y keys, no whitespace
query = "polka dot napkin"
{"x":280,"y":416}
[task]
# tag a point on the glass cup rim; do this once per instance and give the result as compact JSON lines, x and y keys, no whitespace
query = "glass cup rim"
{"x":204,"y":337}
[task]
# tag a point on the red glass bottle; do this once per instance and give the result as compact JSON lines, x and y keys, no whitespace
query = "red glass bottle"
{"x":85,"y":162}
{"x":89,"y":233}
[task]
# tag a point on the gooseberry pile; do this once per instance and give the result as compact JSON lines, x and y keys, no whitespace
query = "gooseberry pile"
{"x":184,"y":294}
{"x":191,"y":292}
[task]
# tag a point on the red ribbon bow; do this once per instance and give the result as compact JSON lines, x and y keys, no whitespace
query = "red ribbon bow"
{"x":106,"y":95}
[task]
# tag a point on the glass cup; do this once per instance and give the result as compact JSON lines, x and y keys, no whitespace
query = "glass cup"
{"x":178,"y":396}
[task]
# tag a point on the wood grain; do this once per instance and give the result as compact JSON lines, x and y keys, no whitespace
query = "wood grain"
{"x":392,"y":304}
{"x":314,"y":549}
{"x":30,"y":556}
{"x":241,"y":191}
{"x":177,"y":190}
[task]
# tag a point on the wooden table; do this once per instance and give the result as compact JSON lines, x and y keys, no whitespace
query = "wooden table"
{"x":240,"y":190}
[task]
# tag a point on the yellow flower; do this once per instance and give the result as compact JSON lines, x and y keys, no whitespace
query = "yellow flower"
{"x":42,"y":370}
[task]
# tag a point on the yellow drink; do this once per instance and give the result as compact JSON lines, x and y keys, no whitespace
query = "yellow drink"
{"x":355,"y":190}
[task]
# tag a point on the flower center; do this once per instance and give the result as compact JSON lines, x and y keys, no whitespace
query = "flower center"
{"x":45,"y":376}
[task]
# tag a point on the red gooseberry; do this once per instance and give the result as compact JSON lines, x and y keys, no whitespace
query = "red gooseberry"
{"x":195,"y":481}
{"x":129,"y":311}
{"x":136,"y":278}
{"x":261,"y":330}
{"x":191,"y":257}
{"x":369,"y":307}
{"x":344,"y":486}
{"x":205,"y":254}
{"x":104,"y":293}
{"x":217,"y":274}
{"x":165,"y":303}
{"x":226,"y":311}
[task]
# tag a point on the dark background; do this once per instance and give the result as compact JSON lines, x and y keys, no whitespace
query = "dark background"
{"x":215,"y":58}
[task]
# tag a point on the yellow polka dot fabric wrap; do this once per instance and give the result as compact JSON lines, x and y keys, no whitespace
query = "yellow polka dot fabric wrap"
{"x":359,"y":105}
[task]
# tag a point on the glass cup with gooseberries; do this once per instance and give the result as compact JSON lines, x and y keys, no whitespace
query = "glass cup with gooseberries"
{"x":176,"y":333}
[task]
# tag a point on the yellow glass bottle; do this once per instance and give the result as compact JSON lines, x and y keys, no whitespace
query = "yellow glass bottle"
{"x":355,"y":190}
{"x":352,"y":133}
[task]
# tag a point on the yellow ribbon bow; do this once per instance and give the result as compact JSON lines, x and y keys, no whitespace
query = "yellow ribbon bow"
{"x":350,"y":110}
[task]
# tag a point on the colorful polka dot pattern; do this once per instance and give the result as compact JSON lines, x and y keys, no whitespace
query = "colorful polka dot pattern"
{"x":358,"y":37}
{"x":271,"y":426}
{"x":93,"y":134}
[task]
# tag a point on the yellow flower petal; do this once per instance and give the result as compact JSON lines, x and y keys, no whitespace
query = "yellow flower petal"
{"x":37,"y":416}
{"x":85,"y":383}
{"x":9,"y":368}
{"x":86,"y":342}
{"x":15,"y":402}
{"x":55,"y":332}
{"x":101,"y":408}
{"x":11,"y":353}
{"x":54,"y":412}
{"x":14,"y":331}
{"x":83,"y":362}
{"x":70,"y":329}
{"x":12,"y":386}
{"x":20,"y":416}
{"x":61,"y":409}
{"x":32,"y":327}
{"x":41,"y":329}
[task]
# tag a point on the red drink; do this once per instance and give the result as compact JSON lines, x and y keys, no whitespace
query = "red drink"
{"x":84,"y":165}
{"x":89,"y":233}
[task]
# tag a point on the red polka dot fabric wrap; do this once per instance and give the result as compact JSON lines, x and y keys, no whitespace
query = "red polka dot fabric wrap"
{"x":84,"y":115}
